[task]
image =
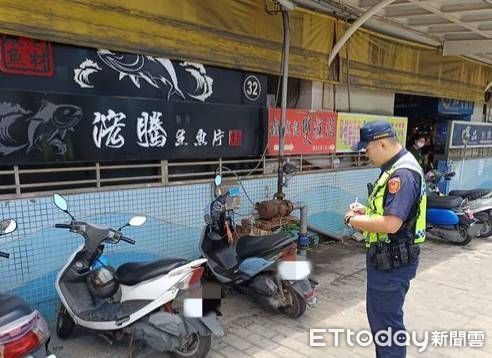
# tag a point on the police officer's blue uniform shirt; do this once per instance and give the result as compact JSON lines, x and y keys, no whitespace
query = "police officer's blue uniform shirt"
{"x":399,"y":204}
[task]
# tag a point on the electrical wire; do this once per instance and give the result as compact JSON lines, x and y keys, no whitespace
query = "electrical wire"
{"x":259,"y":162}
{"x":266,"y":146}
{"x":238,"y":180}
{"x":276,"y":103}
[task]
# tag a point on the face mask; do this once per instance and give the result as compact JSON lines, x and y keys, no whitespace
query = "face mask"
{"x":420,"y":144}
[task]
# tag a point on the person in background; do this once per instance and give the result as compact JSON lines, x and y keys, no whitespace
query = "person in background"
{"x":428,"y":155}
{"x":419,"y":142}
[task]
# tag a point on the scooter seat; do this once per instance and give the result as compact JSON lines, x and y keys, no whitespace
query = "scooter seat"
{"x":132,"y":273}
{"x":251,"y":246}
{"x":444,"y":202}
{"x":473,"y":194}
{"x":12,"y":308}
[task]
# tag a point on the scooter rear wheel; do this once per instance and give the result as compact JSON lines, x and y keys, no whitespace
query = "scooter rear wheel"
{"x":298,"y":306}
{"x":486,"y":230}
{"x":466,"y":238}
{"x":195,"y":346}
{"x":64,"y":323}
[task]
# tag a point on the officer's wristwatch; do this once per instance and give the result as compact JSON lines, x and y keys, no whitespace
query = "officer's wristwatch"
{"x":347,"y":221}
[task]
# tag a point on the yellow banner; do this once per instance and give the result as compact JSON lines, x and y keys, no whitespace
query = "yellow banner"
{"x":349,"y":124}
{"x":243,"y":34}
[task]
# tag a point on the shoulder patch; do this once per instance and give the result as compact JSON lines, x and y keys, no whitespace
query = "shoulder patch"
{"x":394,"y":185}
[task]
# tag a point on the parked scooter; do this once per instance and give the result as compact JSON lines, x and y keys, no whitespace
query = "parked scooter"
{"x":137,"y":299}
{"x":433,"y":177}
{"x":259,"y":266}
{"x":449,"y":218}
{"x":23,"y":331}
{"x":480,"y":203}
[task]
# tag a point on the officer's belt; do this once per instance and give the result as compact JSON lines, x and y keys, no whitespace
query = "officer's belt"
{"x":386,"y":256}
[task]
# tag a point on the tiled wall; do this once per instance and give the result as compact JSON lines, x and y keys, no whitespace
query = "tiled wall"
{"x":471,"y":174}
{"x":173,"y":227}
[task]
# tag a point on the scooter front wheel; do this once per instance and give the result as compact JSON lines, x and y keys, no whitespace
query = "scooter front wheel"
{"x":64,"y":323}
{"x":297,"y":305}
{"x":193,"y":346}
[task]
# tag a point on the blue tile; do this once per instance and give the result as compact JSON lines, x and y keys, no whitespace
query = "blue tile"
{"x":173,"y":228}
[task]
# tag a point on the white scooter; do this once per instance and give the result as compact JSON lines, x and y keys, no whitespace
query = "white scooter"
{"x":137,"y":299}
{"x":23,"y":331}
{"x":480,"y":203}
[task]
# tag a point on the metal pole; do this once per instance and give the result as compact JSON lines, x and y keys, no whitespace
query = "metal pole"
{"x":98,"y":175}
{"x":17,"y":180}
{"x":347,"y":70}
{"x":463,"y":166}
{"x":285,"y":76}
{"x":303,"y":240}
{"x":164,"y":172}
{"x":355,"y":26}
{"x":489,"y":86}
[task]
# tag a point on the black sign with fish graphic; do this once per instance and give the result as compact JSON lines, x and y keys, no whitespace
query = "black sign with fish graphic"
{"x":38,"y":128}
{"x":79,"y":70}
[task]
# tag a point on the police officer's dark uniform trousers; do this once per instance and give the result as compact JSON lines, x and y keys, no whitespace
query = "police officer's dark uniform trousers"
{"x":392,"y":259}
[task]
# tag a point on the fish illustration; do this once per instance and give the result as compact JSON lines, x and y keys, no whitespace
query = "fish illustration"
{"x":23,"y":129}
{"x":142,"y":67}
{"x":81,"y":74}
{"x":155,"y":71}
{"x":204,"y":83}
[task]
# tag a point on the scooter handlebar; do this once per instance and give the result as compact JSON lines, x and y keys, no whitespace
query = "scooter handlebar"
{"x":63,"y":226}
{"x":127,"y":239}
{"x":449,"y":175}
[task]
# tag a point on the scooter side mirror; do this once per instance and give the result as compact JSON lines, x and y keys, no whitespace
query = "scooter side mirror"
{"x":137,"y":221}
{"x":7,"y":226}
{"x":208,"y":219}
{"x":289,"y":168}
{"x":60,"y":202}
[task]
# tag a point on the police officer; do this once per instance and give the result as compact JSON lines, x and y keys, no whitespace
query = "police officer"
{"x":393,"y":223}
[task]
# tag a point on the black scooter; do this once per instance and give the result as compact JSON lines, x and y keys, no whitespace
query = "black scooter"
{"x":265,"y":268}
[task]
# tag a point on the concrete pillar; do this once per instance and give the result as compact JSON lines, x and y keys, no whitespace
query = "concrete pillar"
{"x":361,"y":100}
{"x":311,"y":95}
{"x":477,"y":115}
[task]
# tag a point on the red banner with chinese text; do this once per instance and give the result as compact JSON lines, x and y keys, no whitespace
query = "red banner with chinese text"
{"x":24,"y":56}
{"x":306,"y":132}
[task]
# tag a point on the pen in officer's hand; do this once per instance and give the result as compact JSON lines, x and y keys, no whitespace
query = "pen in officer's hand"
{"x":353,"y":206}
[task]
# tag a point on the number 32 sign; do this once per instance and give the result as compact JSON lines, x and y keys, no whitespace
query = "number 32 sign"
{"x":252,"y":88}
